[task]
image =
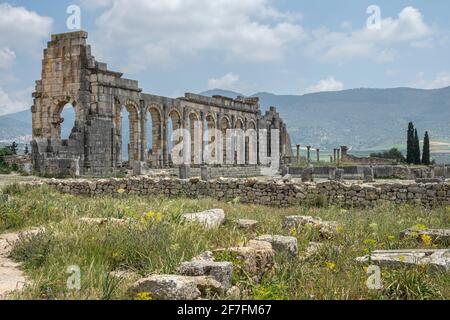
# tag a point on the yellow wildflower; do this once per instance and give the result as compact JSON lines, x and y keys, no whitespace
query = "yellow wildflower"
{"x":121,"y":191}
{"x":419,"y":227}
{"x":293,"y":232}
{"x":340,"y":228}
{"x":370,"y":242}
{"x":391,"y":238}
{"x":402,"y":258}
{"x":144,"y":296}
{"x":330,"y":266}
{"x":426,"y":239}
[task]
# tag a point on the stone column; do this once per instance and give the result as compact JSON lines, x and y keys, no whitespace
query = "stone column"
{"x":339,"y":176}
{"x":338,"y":155}
{"x":202,"y":133}
{"x":185,"y":171}
{"x":204,"y":173}
{"x":298,"y":153}
{"x":307,"y":174}
{"x":332,"y":173}
{"x":318,"y":154}
{"x":334,"y":155}
{"x":309,"y":154}
{"x":369,"y":175}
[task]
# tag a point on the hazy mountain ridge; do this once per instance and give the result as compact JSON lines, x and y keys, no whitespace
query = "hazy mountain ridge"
{"x":361,"y":118}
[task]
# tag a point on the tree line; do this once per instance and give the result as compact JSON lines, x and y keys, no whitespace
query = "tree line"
{"x":413,"y":153}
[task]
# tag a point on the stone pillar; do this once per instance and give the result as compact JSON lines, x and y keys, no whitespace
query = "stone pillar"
{"x":332,"y":173}
{"x":331,"y":159}
{"x":318,"y":155}
{"x":339,"y":175}
{"x":307,"y":174}
{"x":369,"y":174}
{"x":309,"y":154}
{"x":185,"y":171}
{"x":205,"y":173}
{"x":344,"y":151}
{"x":298,"y":153}
{"x":432,"y":173}
{"x":334,"y":155}
{"x":338,"y":155}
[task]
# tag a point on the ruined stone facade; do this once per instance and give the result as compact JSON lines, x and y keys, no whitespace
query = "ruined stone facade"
{"x":71,"y":75}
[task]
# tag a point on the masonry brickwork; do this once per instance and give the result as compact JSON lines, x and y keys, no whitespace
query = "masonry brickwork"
{"x":280,"y":193}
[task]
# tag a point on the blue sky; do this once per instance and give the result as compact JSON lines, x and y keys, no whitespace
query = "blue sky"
{"x":279,"y":46}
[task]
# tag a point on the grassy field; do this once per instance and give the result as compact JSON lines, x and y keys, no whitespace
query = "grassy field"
{"x":160,"y":242}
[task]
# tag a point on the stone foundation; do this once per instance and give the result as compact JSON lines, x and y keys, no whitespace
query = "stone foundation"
{"x":271,"y":193}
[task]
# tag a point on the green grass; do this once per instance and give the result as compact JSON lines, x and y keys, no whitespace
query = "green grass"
{"x":160,"y":245}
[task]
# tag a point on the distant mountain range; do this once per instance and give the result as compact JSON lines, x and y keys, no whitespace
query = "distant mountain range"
{"x":364,"y":119}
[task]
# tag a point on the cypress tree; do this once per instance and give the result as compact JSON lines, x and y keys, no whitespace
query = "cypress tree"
{"x":416,"y":148}
{"x":410,"y":144}
{"x":426,"y":150}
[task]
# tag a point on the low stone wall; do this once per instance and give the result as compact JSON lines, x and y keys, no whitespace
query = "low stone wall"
{"x":380,"y":171}
{"x":272,"y":193}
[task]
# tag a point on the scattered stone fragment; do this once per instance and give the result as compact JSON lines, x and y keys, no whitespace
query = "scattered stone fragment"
{"x":312,"y":249}
{"x":281,"y":243}
{"x":328,"y":229}
{"x":256,"y":259}
{"x":246,"y":223}
{"x":438,"y":259}
{"x":234,"y":293}
{"x":211,"y":219}
{"x":437,"y":235}
{"x":220,"y":271}
{"x":175,"y":287}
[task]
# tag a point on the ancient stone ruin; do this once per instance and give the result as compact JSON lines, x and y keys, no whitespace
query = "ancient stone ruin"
{"x":72,"y":76}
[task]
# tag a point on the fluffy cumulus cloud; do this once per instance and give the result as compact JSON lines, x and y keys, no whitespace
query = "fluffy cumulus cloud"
{"x":328,"y":84}
{"x":378,"y":45}
{"x":22,"y":30}
{"x":441,"y":80}
{"x":152,"y":32}
{"x":230,"y":81}
{"x":15,"y":101}
{"x":7,"y":58}
{"x":21,"y":34}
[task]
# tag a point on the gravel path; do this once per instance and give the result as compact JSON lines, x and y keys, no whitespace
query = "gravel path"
{"x":11,"y":276}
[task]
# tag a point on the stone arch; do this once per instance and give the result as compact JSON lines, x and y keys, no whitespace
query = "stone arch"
{"x":238,"y":142}
{"x":211,"y":138}
{"x":195,"y":129}
{"x":176,"y":136}
{"x":154,"y":135}
{"x":251,"y":143}
{"x":225,"y":125}
{"x":56,"y":118}
{"x":134,"y":143}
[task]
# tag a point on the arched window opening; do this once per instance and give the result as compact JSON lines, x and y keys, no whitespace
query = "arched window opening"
{"x":67,"y":121}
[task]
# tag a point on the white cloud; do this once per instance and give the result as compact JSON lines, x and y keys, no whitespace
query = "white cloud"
{"x":230,"y":81}
{"x":7,"y":58}
{"x":22,"y":30}
{"x":441,"y":80}
{"x":16,"y":101}
{"x":328,"y":84}
{"x":152,"y":32}
{"x":379,"y":45}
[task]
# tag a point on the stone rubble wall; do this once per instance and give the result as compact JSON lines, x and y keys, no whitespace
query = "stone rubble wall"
{"x":380,"y":171}
{"x":271,"y":193}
